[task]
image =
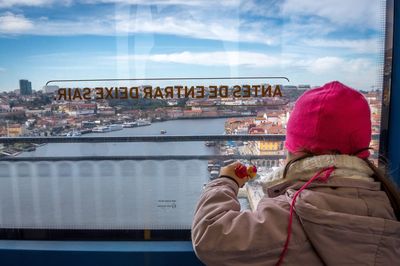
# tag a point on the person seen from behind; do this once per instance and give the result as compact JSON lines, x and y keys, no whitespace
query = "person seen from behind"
{"x":329,"y":205}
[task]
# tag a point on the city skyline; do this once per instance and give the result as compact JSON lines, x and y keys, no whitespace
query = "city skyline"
{"x":310,"y":43}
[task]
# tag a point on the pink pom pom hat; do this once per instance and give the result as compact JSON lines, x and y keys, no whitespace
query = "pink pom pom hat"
{"x":331,"y":119}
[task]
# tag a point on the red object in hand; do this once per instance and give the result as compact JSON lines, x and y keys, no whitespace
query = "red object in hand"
{"x":241,"y":171}
{"x":252,"y":171}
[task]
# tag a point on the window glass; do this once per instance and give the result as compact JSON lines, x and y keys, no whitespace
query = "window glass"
{"x":109,"y":146}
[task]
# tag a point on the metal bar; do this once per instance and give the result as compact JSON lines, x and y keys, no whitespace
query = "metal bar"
{"x":146,"y":157}
{"x":180,"y":78}
{"x":392,"y":94}
{"x":155,"y":138}
{"x":386,"y":85}
{"x":171,"y":138}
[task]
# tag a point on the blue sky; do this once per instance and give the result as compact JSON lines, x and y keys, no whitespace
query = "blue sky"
{"x":310,"y":42}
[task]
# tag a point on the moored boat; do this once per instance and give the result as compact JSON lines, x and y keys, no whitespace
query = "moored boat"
{"x":115,"y":127}
{"x":101,"y":129}
{"x":209,"y":143}
{"x":143,"y":122}
{"x":129,"y":124}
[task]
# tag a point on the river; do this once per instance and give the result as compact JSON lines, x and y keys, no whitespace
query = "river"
{"x":123,"y":194}
{"x":173,"y":127}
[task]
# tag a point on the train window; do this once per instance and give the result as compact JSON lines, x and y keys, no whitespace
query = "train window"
{"x":114,"y":114}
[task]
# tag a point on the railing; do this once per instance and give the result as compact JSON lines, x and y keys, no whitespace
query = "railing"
{"x":76,"y":195}
{"x":172,"y":138}
{"x":40,"y":140}
{"x":77,"y":190}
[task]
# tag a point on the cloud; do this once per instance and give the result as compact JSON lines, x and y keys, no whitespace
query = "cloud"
{"x":370,"y":45}
{"x":360,"y":13}
{"x":14,"y":23}
{"x":314,"y":65}
{"x":205,"y":3}
{"x":218,"y":58}
{"x":332,"y":64}
{"x":271,"y":23}
{"x":166,"y":3}
{"x":224,"y":29}
{"x":33,"y":3}
{"x":325,"y":65}
{"x":265,"y":9}
{"x":10,"y":3}
{"x":296,"y":30}
{"x":361,"y":73}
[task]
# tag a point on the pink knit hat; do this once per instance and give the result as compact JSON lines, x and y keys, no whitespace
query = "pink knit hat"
{"x":332,"y":118}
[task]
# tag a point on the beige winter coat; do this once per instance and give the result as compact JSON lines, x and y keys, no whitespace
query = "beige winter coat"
{"x":346,"y":221}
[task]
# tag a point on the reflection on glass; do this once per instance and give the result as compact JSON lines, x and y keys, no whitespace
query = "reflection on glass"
{"x":309,"y":43}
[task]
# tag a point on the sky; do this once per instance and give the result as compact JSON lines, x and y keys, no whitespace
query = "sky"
{"x":310,"y":42}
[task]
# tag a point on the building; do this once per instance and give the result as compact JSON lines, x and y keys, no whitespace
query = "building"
{"x":82,"y":109}
{"x":50,"y":89}
{"x":25,"y":87}
{"x":105,"y":110}
{"x":4,"y":107}
{"x":14,"y":130}
{"x":269,"y":147}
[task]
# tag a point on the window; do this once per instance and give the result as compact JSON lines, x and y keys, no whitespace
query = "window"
{"x":115,"y":114}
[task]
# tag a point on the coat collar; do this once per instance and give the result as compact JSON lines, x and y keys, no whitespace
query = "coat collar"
{"x":349,"y":171}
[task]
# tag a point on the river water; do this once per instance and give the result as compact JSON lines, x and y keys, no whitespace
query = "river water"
{"x":122,"y":194}
{"x":173,"y":127}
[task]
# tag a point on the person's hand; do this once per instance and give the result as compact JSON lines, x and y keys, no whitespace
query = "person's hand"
{"x":229,"y":170}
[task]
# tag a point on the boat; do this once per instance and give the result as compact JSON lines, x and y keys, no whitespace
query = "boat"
{"x":216,"y":167}
{"x":86,"y":131}
{"x":115,"y":127}
{"x":101,"y":129}
{"x":74,"y":133}
{"x":210,"y":143}
{"x":163,"y":131}
{"x":214,"y":174}
{"x":129,"y":124}
{"x":143,"y":122}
